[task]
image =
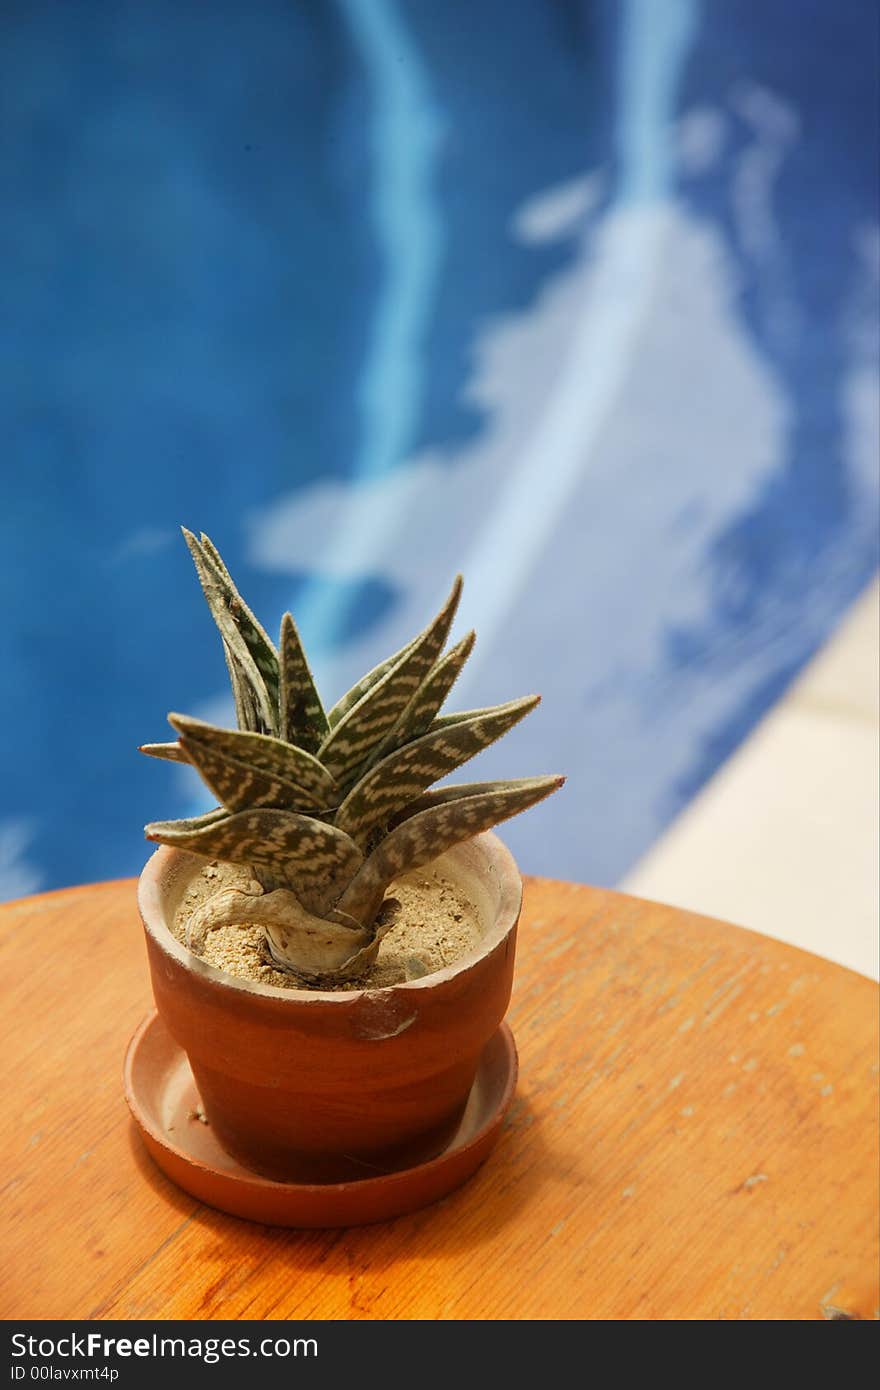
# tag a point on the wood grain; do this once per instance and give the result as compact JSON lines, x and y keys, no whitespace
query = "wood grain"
{"x":695,"y":1136}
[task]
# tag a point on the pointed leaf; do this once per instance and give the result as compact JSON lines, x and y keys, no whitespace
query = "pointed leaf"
{"x":424,"y":836}
{"x":172,"y":752}
{"x":365,"y":725}
{"x":301,"y":717}
{"x":256,"y":637}
{"x":416,"y":718}
{"x":193,"y":824}
{"x":402,"y":776}
{"x":366,"y":683}
{"x":246,"y":714}
{"x":462,"y":716}
{"x":315,"y":860}
{"x":248,"y":706}
{"x":265,"y":754}
{"x":243,"y":787}
{"x":214,"y":554}
{"x":351,"y":697}
{"x":461,"y":791}
{"x":251,"y":658}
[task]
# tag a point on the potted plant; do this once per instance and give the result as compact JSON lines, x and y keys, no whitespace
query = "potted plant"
{"x":322,"y":1051}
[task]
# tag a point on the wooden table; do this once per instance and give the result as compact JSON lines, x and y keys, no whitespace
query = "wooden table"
{"x":695,"y":1136}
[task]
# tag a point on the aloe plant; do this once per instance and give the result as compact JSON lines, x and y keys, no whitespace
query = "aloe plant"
{"x":327,"y":808}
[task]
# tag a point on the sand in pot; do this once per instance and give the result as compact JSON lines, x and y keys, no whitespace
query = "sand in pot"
{"x":437,"y":926}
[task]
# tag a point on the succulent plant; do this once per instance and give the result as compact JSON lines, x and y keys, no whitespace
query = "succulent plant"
{"x":327,"y":808}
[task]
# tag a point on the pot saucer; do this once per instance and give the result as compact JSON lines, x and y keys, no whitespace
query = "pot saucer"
{"x":162,"y":1097}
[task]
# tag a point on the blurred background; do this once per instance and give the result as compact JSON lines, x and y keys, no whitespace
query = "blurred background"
{"x":577,"y":297}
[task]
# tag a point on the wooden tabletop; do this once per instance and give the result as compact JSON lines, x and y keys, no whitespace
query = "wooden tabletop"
{"x":694,"y":1136}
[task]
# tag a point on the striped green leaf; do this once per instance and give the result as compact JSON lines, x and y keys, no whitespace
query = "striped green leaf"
{"x":247,"y":714}
{"x":366,"y":683}
{"x":402,"y":776}
{"x":264,"y":754}
{"x":241,"y":786}
{"x":463,"y":716}
{"x":313,"y":859}
{"x":427,"y":834}
{"x":301,"y":717}
{"x":351,"y":697}
{"x":247,"y":705}
{"x":352,"y":740}
{"x":193,"y":824}
{"x":417,"y":717}
{"x":441,"y":796}
{"x":256,"y":637}
{"x":250,"y":655}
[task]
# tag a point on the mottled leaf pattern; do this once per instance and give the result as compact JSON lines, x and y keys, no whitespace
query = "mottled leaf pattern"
{"x":266,"y":754}
{"x":403,"y":775}
{"x":365,"y":725}
{"x":301,"y":717}
{"x":424,"y":836}
{"x":313,"y":859}
{"x":416,"y":718}
{"x":251,"y":658}
{"x":240,"y":786}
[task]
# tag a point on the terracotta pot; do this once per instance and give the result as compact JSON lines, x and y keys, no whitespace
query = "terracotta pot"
{"x":316,"y":1086}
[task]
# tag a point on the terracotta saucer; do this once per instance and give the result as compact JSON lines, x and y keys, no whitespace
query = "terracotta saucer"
{"x":162,"y":1097}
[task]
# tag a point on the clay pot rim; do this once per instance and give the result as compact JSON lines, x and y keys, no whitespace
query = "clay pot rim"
{"x":498,"y":856}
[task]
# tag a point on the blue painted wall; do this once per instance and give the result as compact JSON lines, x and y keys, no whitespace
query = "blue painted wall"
{"x":578,"y":297}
